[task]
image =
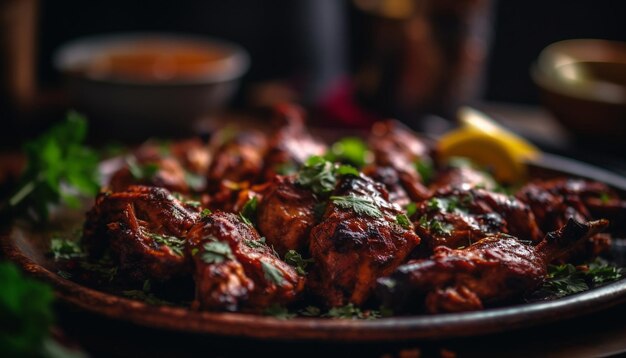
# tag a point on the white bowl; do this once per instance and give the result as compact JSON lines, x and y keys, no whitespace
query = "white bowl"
{"x":132,"y":106}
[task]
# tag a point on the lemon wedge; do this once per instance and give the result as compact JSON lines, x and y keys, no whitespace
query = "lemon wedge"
{"x":489,"y":145}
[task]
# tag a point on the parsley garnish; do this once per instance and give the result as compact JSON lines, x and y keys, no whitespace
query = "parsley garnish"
{"x":317,"y":174}
{"x":293,"y":258}
{"x":360,"y":205}
{"x":65,"y":249}
{"x":310,"y":311}
{"x":205,"y":212}
{"x":59,"y":168}
{"x":278,"y":311}
{"x":145,"y":295}
{"x":426,"y":169}
{"x":435,"y":226}
{"x":216,"y":252}
{"x":271,"y":273}
{"x":351,"y":150}
{"x":255,"y":244}
{"x":141,"y":171}
{"x":26,"y":311}
{"x":411,"y":209}
{"x":403,"y":221}
{"x":177,"y":245}
{"x":248,"y":212}
{"x":563,"y":280}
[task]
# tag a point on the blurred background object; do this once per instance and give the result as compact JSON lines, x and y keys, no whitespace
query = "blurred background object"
{"x":583,"y":82}
{"x":139,"y":84}
{"x":354,"y":60}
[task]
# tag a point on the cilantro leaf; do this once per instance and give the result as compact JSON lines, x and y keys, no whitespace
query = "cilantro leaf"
{"x":216,"y":252}
{"x":205,"y":212}
{"x":318,"y":175}
{"x":600,"y":272}
{"x":435,"y":226}
{"x":145,"y":171}
{"x":177,"y":245}
{"x":271,"y":273}
{"x":248,"y":212}
{"x":426,"y":169}
{"x":278,"y":311}
{"x":350,"y":150}
{"x":403,"y":221}
{"x":411,"y":209}
{"x":65,"y":249}
{"x":59,"y":168}
{"x":26,"y":311}
{"x":293,"y":258}
{"x":360,"y":205}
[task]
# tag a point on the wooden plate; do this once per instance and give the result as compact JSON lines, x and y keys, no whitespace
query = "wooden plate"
{"x":28,"y":249}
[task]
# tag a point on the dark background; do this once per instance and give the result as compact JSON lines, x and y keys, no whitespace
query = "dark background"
{"x":276,"y":32}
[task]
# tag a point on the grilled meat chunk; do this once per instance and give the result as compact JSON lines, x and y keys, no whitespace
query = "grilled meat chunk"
{"x":495,"y":268}
{"x":462,"y":177}
{"x":455,"y":218}
{"x":358,"y":240}
{"x":396,"y":146}
{"x":291,"y":144}
{"x":237,"y":157}
{"x":235,"y":269}
{"x":286,"y":215}
{"x":145,"y":229}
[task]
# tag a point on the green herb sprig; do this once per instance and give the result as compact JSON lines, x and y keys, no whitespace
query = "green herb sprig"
{"x":59,"y":168}
{"x":360,"y":205}
{"x":320,"y":175}
{"x":293,"y":258}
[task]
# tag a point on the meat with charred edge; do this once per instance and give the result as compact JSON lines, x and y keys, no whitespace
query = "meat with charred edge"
{"x":396,"y":146}
{"x":292,"y":144}
{"x":495,"y":268}
{"x":238,"y":156}
{"x":455,"y":218}
{"x":353,"y":246}
{"x":555,"y":201}
{"x":144,"y":227}
{"x":235,"y":269}
{"x":286,"y":215}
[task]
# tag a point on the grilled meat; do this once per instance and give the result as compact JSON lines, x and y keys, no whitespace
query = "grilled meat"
{"x":145,"y":229}
{"x":286,"y":215}
{"x":235,"y":269}
{"x":357,"y":241}
{"x":495,"y":268}
{"x":456,"y":218}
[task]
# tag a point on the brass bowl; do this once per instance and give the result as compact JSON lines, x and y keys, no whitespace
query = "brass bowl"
{"x":583,"y":83}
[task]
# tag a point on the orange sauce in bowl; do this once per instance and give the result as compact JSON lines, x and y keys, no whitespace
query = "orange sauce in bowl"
{"x":157,"y":62}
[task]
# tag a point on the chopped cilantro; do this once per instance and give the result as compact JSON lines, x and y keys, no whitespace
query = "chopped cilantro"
{"x":426,"y":169}
{"x":350,"y":150}
{"x":26,"y":312}
{"x":347,"y":170}
{"x":360,"y":205}
{"x":403,"y":221}
{"x":248,"y":212}
{"x":348,"y":311}
{"x":434,"y":226}
{"x":286,"y":168}
{"x":310,"y":311}
{"x":271,"y":273}
{"x":177,"y":245}
{"x":65,"y":249}
{"x":278,"y":311}
{"x":205,"y":212}
{"x":195,"y":181}
{"x":563,"y":280}
{"x":318,"y":175}
{"x":293,"y":258}
{"x":59,"y":168}
{"x":145,"y":171}
{"x":411,"y":209}
{"x":255,"y":244}
{"x":216,"y":252}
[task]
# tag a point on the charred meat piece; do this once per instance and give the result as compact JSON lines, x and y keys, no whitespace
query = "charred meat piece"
{"x":555,"y":201}
{"x":389,"y":177}
{"x":456,"y":218}
{"x":462,"y":177}
{"x":237,"y":157}
{"x":162,"y":172}
{"x":495,"y":268}
{"x":291,"y":144}
{"x":235,"y":269}
{"x":286,"y":215}
{"x":145,"y":228}
{"x":397,"y":147}
{"x":358,"y":240}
